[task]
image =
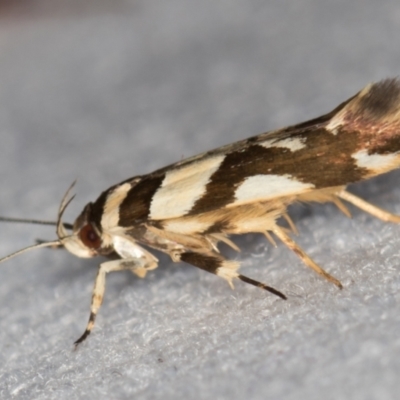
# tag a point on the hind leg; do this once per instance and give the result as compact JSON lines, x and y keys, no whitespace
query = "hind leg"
{"x":368,"y":207}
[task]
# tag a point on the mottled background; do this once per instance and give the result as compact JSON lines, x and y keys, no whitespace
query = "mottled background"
{"x":104,"y":90}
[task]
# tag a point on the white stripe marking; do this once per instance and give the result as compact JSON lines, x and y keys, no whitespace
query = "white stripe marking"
{"x":293,"y":144}
{"x":127,"y":248}
{"x":265,"y":187}
{"x":182,"y":187}
{"x":335,"y":123}
{"x":110,"y":216}
{"x":375,"y":162}
{"x":186,"y":226}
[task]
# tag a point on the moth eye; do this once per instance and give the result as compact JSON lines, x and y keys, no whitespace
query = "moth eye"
{"x":89,"y":237}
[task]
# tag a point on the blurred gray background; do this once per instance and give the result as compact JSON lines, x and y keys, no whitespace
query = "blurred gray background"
{"x":104,"y":90}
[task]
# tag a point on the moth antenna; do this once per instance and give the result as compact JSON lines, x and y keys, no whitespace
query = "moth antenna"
{"x":61,"y":226}
{"x":35,"y":246}
{"x":65,"y":200}
{"x":61,"y":233}
{"x":34,"y":221}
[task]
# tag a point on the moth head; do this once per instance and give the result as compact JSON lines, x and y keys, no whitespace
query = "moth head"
{"x":82,"y":239}
{"x":85,"y":240}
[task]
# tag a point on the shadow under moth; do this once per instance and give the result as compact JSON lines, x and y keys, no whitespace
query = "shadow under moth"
{"x":187,"y":208}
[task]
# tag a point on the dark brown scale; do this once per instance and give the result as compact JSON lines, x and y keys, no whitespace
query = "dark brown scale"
{"x":89,"y":237}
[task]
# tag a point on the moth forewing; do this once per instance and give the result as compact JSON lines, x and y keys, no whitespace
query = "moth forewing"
{"x":187,"y":208}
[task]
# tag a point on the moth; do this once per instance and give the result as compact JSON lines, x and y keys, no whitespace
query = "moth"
{"x":186,"y":209}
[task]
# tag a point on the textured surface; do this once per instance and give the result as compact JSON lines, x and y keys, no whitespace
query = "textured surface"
{"x":104,"y":92}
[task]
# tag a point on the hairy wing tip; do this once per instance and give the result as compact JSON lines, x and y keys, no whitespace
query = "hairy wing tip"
{"x":380,"y":99}
{"x":375,"y":108}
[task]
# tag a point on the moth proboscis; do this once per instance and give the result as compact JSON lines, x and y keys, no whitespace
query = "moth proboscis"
{"x":187,"y":208}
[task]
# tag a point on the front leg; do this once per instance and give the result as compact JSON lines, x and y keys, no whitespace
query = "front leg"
{"x":133,"y":264}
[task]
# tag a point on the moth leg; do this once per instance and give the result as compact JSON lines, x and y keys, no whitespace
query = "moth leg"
{"x":368,"y":207}
{"x":216,"y":264}
{"x":134,"y":264}
{"x":270,"y":238}
{"x":220,"y":237}
{"x":291,"y":223}
{"x":141,"y":271}
{"x":341,"y":206}
{"x":304,"y":257}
